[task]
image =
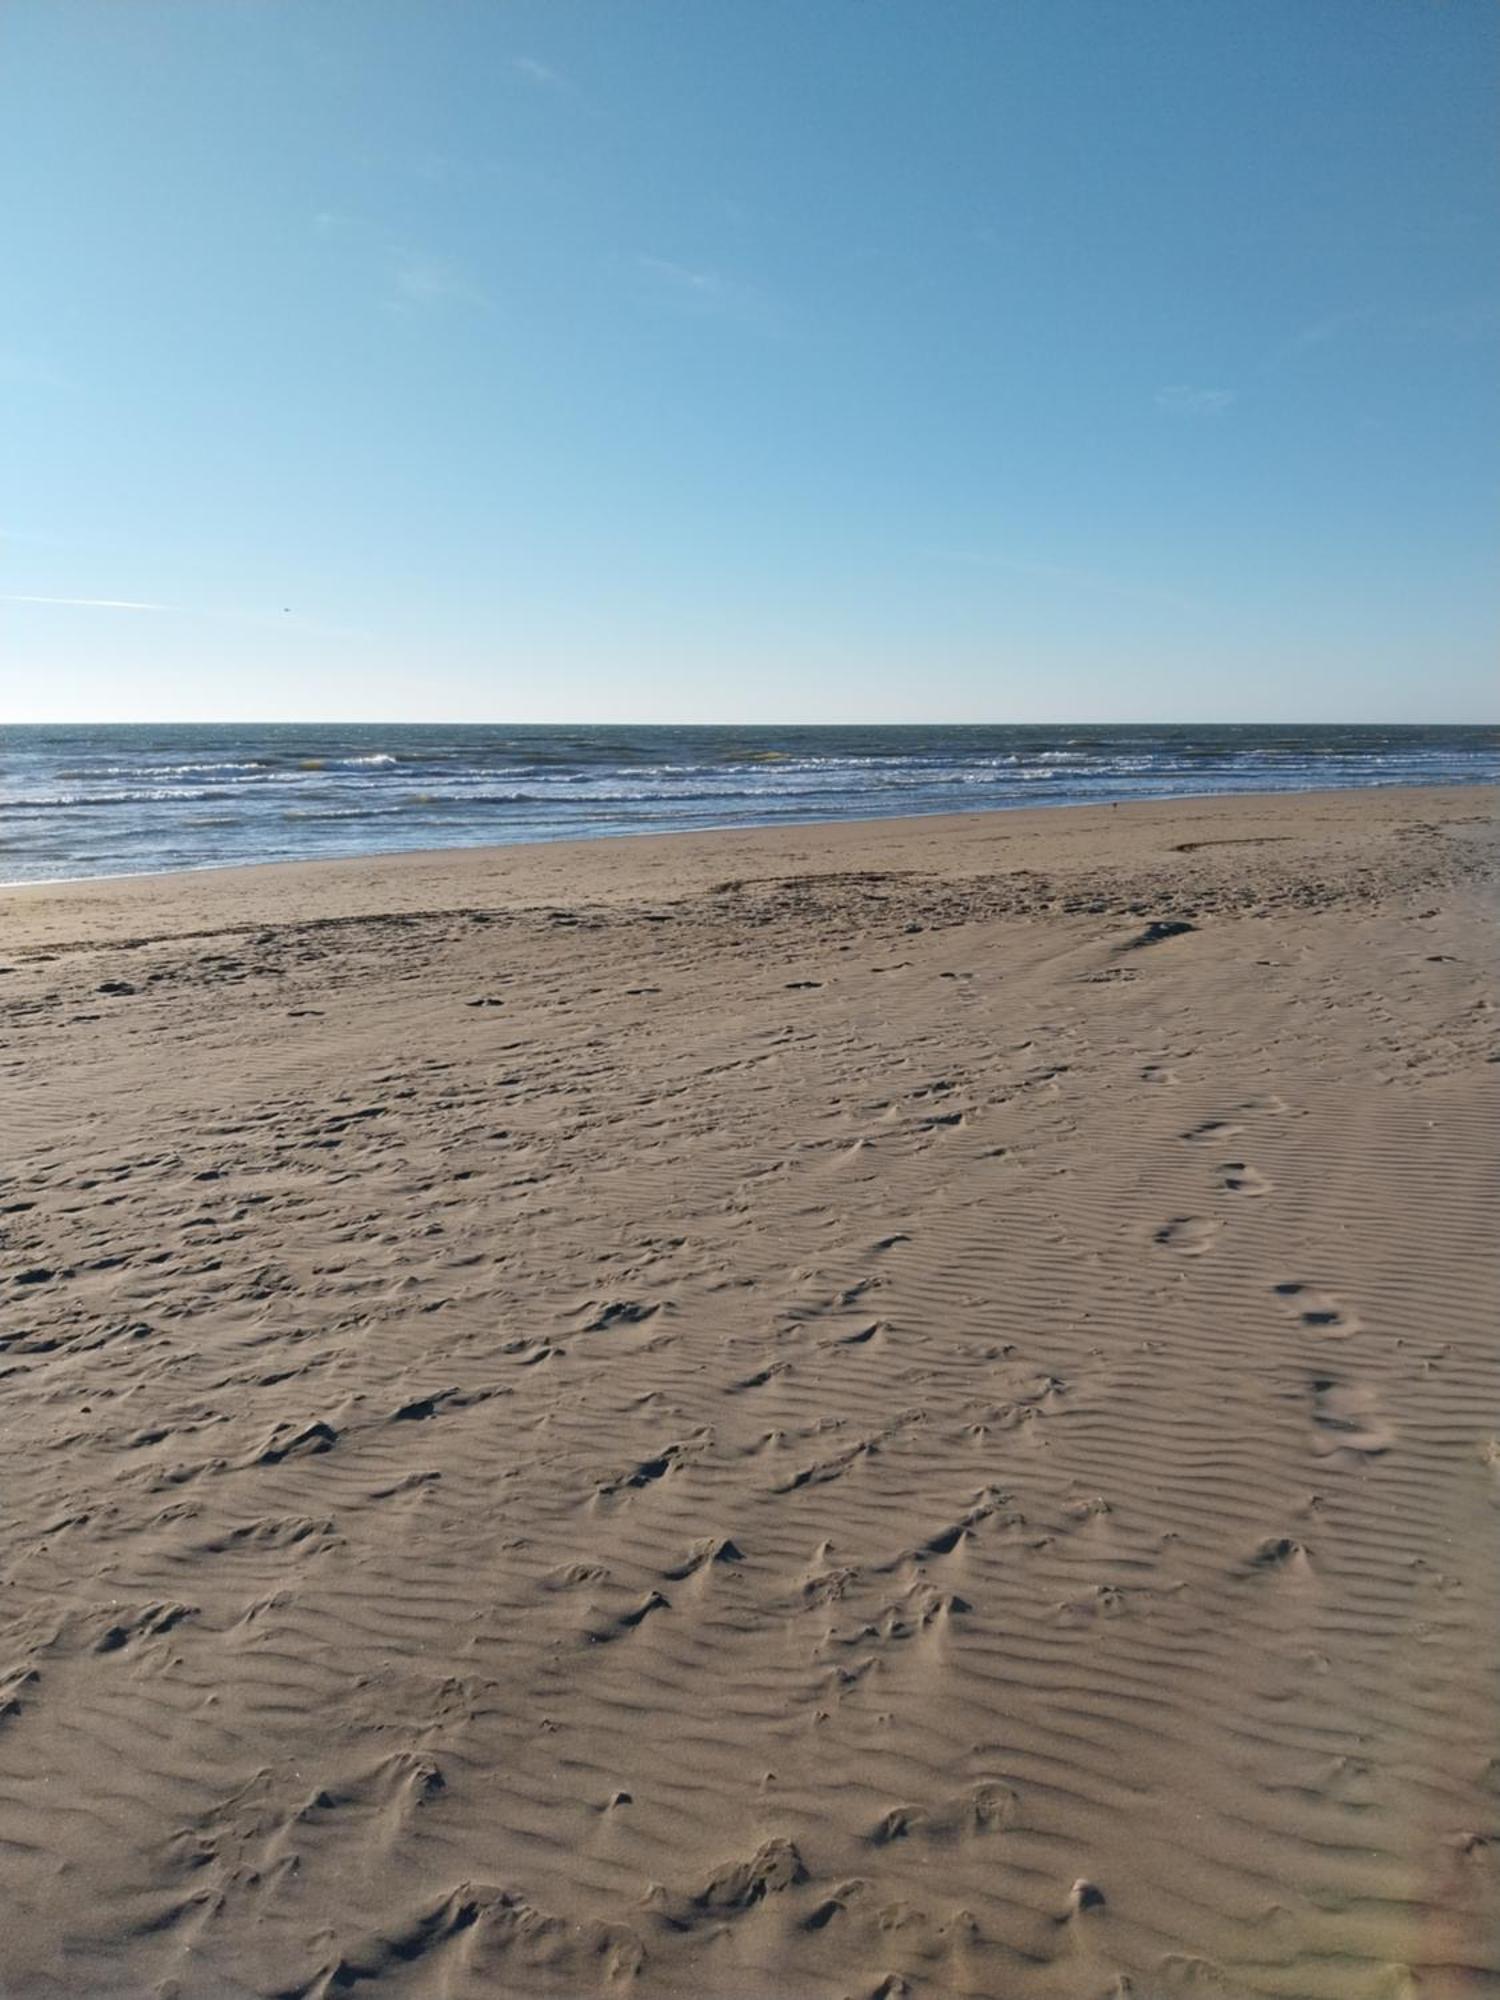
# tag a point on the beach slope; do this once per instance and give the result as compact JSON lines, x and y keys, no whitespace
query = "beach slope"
{"x":891,"y":1409}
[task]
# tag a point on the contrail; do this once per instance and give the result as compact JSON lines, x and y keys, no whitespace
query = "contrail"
{"x":87,"y":603}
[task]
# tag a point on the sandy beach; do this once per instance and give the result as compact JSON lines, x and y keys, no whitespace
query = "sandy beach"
{"x":905,"y":1408}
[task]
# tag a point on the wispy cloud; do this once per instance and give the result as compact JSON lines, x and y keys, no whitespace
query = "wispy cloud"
{"x":422,"y":280}
{"x":1181,"y":399}
{"x":537,"y":72}
{"x":280,"y":621}
{"x":1438,"y":326}
{"x":701,"y":290}
{"x":685,"y":281}
{"x":1317,"y":333}
{"x":86,"y":603}
{"x":335,"y":222}
{"x":411,"y":279}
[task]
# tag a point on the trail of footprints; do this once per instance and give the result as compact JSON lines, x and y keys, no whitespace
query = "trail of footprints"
{"x":833,"y":1398}
{"x":1345,"y":1415}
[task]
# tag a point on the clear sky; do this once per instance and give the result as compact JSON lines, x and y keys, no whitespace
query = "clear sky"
{"x":701,"y":360}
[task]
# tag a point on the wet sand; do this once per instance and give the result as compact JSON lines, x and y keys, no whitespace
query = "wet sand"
{"x":905,"y":1408}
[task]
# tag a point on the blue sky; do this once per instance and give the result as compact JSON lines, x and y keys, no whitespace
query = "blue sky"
{"x":699,"y":360}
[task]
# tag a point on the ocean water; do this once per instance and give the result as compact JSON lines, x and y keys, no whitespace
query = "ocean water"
{"x":116,"y":800}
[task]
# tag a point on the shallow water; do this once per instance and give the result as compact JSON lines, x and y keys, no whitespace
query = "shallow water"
{"x":116,"y":799}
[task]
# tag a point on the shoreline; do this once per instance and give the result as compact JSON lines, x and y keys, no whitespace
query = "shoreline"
{"x":780,"y":825}
{"x":611,"y":865}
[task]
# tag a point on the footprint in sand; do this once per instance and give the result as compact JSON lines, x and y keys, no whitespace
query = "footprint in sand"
{"x":1188,"y":1235}
{"x":1213,"y":1128}
{"x":1237,"y":1178}
{"x":1346,"y":1418}
{"x":759,"y":1379}
{"x":1317,"y":1310}
{"x":1220,"y":1129}
{"x":1281,"y":1553}
{"x":858,"y":1338}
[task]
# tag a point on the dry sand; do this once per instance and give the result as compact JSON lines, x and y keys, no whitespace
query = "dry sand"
{"x":814,"y":1413}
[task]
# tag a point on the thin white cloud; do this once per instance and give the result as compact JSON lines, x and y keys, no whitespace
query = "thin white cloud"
{"x":87,"y":603}
{"x":684,"y":280}
{"x":1317,"y":334}
{"x":537,"y":72}
{"x":1441,"y":326}
{"x":283,"y":622}
{"x":1181,"y":399}
{"x":420,"y":280}
{"x":700,"y":290}
{"x":413,"y":279}
{"x":332,"y":222}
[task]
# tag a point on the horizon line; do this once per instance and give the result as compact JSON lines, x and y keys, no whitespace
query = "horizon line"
{"x":1098,"y":722}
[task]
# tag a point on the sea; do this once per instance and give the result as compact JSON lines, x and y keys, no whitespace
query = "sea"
{"x":142,"y":798}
